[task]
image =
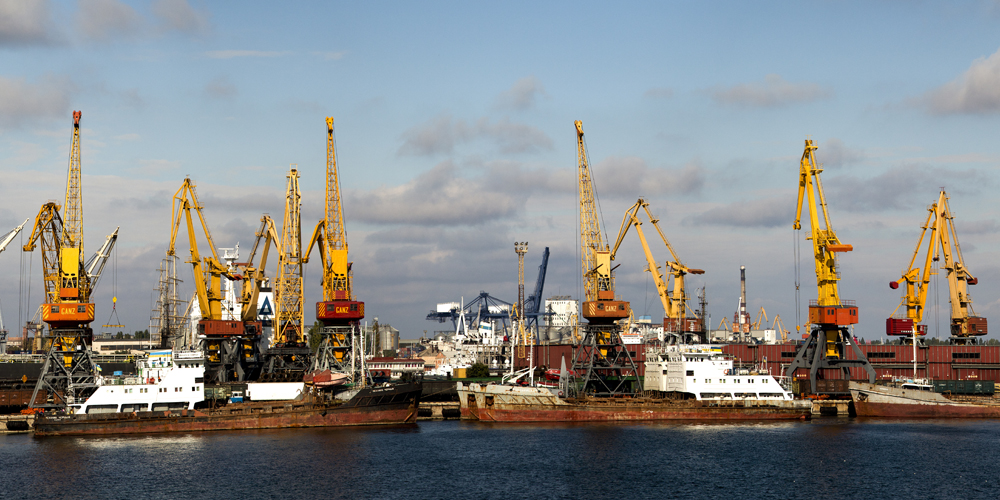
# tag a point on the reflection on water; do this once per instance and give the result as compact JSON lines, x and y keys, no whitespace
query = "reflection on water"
{"x":824,"y":458}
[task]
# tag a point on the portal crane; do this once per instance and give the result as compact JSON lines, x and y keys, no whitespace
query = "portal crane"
{"x":602,"y":356}
{"x":829,"y":315}
{"x":675,"y":302}
{"x":67,"y":375}
{"x":222,"y":339}
{"x":939,"y":230}
{"x":289,"y":355}
{"x":339,"y":312}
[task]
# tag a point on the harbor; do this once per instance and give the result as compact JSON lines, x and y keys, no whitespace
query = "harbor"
{"x":499,"y":250}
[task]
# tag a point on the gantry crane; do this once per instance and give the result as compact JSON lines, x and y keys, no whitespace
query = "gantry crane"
{"x":224,"y":341}
{"x":939,"y":230}
{"x":602,"y":357}
{"x":830,"y":316}
{"x":675,"y":302}
{"x":339,"y":312}
{"x":289,"y":356}
{"x":67,"y":375}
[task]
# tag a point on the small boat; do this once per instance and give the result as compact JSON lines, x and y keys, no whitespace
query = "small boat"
{"x":326,"y":378}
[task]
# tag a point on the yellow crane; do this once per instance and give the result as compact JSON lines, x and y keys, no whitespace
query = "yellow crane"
{"x":289,"y":356}
{"x":675,"y":302}
{"x":939,"y":231}
{"x":829,"y":315}
{"x":340,"y":313}
{"x":224,"y":340}
{"x":68,"y":372}
{"x":602,"y":356}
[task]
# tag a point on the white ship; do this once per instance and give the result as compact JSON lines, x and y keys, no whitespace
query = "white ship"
{"x":164,"y":380}
{"x":706,"y":373}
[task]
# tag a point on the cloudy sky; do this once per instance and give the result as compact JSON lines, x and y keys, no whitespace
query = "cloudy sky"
{"x":455,"y":138}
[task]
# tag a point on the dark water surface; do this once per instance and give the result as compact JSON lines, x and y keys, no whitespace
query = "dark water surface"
{"x":824,"y":458}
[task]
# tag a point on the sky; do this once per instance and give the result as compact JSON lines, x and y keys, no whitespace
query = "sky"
{"x":455,"y":138}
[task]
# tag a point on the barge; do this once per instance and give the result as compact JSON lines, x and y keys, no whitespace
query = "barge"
{"x":915,"y":400}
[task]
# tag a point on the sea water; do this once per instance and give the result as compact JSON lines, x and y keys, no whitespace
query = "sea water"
{"x":820,"y":459}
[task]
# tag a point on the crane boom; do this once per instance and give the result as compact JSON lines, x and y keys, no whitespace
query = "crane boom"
{"x":11,"y":235}
{"x":674,"y":303}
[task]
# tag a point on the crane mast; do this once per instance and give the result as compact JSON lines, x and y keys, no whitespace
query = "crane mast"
{"x":289,"y":356}
{"x":603,"y":358}
{"x":339,"y":313}
{"x":675,"y":302}
{"x":942,"y":241}
{"x":829,"y":315}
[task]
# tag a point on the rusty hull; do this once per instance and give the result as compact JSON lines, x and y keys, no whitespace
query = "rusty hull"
{"x":395,"y":405}
{"x":485,"y":403}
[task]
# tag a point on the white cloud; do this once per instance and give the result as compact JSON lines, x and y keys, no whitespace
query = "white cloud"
{"x":102,"y":20}
{"x":220,"y":88}
{"x":23,"y":102}
{"x":774,"y":91}
{"x":522,"y":94}
{"x":437,"y":197}
{"x":630,"y":177}
{"x":178,"y":15}
{"x":230,"y":54}
{"x":977,"y":91}
{"x":440,"y":136}
{"x":771,"y":212}
{"x":25,"y":22}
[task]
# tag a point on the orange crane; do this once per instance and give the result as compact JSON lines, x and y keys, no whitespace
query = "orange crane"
{"x":939,"y":230}
{"x":224,"y":341}
{"x":602,"y":356}
{"x":67,"y":375}
{"x":675,"y":302}
{"x":340,"y":313}
{"x":830,"y":316}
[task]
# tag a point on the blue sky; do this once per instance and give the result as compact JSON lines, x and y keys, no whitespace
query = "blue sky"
{"x":455,"y":137}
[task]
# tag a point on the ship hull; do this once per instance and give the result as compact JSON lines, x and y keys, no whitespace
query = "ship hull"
{"x":375,"y":406}
{"x":524,"y":404}
{"x":872,"y":400}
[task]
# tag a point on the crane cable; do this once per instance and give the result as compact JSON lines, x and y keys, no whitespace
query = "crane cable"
{"x":114,"y":295}
{"x":797,"y":251}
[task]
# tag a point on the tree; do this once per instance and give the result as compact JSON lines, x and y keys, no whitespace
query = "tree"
{"x":315,"y":335}
{"x":478,"y":370}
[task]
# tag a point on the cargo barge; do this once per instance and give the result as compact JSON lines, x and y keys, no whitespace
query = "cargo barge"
{"x":168,"y":395}
{"x":681,"y":383}
{"x":914,"y":400}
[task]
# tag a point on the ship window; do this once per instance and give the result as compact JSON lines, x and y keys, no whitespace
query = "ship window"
{"x":965,"y":355}
{"x":708,"y":381}
{"x":664,"y":372}
{"x":690,"y":373}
